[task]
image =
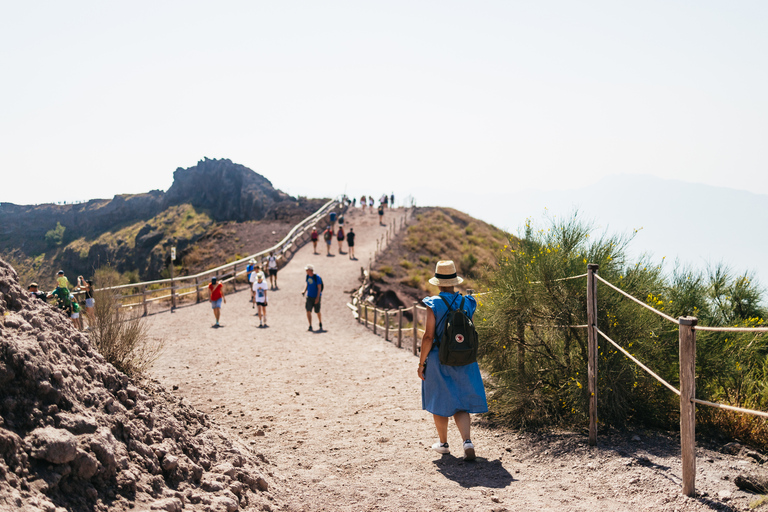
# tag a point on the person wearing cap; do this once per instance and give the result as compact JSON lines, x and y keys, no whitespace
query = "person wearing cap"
{"x":313,"y":290}
{"x":62,"y":281}
{"x":75,"y":313}
{"x":33,"y":289}
{"x":448,"y":390}
{"x":249,"y":275}
{"x":216,"y":296}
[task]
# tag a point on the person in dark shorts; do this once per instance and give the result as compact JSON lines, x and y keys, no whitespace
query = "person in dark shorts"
{"x":314,"y":236}
{"x":340,"y":237}
{"x":313,"y":291}
{"x":381,"y":214}
{"x":351,"y":243}
{"x":272,"y":268}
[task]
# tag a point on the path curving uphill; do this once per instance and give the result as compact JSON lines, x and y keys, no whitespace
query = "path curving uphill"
{"x":337,"y":414}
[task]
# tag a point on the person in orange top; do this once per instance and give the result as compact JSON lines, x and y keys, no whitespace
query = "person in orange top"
{"x":216,"y":296}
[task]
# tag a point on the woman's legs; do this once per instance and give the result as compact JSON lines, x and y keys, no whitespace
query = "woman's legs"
{"x":463,"y":423}
{"x":441,"y":423}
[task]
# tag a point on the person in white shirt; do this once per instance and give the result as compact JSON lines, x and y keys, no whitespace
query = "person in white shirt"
{"x":272,"y":268}
{"x":260,"y":292}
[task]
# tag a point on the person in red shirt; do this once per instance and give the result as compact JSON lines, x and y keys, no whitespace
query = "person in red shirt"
{"x":314,"y":237}
{"x":216,"y":296}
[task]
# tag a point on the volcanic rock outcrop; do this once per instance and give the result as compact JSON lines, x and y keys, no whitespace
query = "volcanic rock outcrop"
{"x":76,"y":434}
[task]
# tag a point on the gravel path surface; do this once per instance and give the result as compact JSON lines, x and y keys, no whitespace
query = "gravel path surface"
{"x":337,"y":415}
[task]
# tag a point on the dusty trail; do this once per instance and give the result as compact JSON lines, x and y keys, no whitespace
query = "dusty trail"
{"x":338,"y":413}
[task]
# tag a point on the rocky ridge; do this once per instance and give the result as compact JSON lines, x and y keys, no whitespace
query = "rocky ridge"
{"x":76,"y":434}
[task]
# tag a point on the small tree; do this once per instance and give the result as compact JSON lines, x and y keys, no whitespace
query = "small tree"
{"x":122,"y":337}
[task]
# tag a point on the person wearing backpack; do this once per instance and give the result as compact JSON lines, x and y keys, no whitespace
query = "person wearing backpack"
{"x":450,"y":385}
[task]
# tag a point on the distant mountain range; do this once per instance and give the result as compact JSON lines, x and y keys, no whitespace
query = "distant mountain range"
{"x":693,"y":223}
{"x":134,"y":232}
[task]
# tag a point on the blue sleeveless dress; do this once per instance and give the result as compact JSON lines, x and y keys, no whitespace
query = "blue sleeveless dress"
{"x":447,"y":390}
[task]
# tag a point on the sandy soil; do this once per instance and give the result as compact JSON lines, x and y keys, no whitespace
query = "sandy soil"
{"x":337,"y":415}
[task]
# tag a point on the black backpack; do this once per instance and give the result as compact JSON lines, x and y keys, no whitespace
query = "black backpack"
{"x":459,"y":342}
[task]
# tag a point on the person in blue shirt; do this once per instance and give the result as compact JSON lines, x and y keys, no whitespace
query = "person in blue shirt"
{"x":313,"y":290}
{"x":448,"y":390}
{"x":249,"y":270}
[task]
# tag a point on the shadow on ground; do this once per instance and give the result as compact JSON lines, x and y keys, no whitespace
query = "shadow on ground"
{"x":479,"y":473}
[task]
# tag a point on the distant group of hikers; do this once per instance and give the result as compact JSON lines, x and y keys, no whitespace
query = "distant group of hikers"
{"x":64,"y":295}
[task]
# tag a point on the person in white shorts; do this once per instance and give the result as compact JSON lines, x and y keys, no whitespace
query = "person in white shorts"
{"x":260,"y":291}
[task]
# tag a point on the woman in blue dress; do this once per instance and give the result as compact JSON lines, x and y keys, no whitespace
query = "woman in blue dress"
{"x":448,"y":390}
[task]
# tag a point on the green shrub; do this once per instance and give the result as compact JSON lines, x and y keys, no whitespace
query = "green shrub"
{"x":55,"y":236}
{"x":538,"y":368}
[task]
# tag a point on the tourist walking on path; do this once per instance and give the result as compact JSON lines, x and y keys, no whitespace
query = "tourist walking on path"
{"x":272,"y":268}
{"x":351,"y":243}
{"x":381,"y":215}
{"x":448,"y":390}
{"x":313,"y":291}
{"x":362,"y":203}
{"x":249,"y":271}
{"x":260,"y":290}
{"x":370,"y":203}
{"x":340,"y":238}
{"x":216,"y":296}
{"x":314,"y":236}
{"x":328,"y":237}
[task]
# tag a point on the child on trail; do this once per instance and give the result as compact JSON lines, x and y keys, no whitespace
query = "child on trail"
{"x":260,"y":290}
{"x":75,"y":315}
{"x":249,"y":274}
{"x":216,"y":296}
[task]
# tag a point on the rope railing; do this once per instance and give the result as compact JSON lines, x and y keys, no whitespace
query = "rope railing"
{"x":638,"y":301}
{"x":288,"y":245}
{"x":638,"y":363}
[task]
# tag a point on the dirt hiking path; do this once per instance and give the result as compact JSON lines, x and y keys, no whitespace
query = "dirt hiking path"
{"x":338,"y":416}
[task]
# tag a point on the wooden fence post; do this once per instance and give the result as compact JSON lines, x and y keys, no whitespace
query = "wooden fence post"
{"x":197,"y":290}
{"x":592,"y":350}
{"x":375,"y":318}
{"x":386,"y":325}
{"x":687,"y":407}
{"x":415,"y":326}
{"x":359,"y":311}
{"x":399,"y":326}
{"x":234,"y":277}
{"x":365,"y":308}
{"x":144,"y":298}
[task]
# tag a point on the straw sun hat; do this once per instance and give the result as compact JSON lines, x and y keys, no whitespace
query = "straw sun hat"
{"x":445,"y":274}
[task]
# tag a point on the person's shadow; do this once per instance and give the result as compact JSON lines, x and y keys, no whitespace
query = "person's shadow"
{"x":478,"y":473}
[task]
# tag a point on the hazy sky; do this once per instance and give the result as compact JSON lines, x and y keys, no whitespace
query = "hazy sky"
{"x":100,"y":98}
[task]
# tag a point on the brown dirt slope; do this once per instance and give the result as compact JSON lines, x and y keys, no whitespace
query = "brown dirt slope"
{"x":338,"y":416}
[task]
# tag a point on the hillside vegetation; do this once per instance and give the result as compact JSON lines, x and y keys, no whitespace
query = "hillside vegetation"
{"x":434,"y":234}
{"x":538,"y":366}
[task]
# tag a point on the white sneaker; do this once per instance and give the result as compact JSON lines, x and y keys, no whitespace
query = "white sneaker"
{"x":441,"y":447}
{"x":469,"y":450}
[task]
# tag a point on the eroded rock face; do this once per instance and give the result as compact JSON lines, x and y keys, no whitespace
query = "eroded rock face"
{"x":76,"y":432}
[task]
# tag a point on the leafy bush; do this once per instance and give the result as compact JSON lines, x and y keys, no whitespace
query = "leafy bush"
{"x":539,"y":367}
{"x":55,"y":236}
{"x":121,"y":336}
